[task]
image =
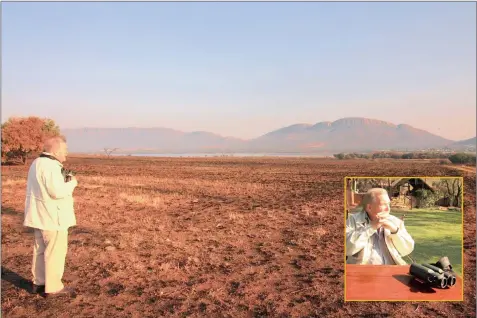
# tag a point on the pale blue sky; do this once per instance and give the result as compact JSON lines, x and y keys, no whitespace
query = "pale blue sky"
{"x":241,"y":69}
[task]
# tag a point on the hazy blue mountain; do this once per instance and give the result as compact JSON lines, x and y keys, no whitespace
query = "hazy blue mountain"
{"x":350,"y":134}
{"x":346,"y":134}
{"x":146,"y":140}
{"x":467,"y":142}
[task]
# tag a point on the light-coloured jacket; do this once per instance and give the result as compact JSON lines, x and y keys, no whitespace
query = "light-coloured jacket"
{"x":49,"y":203}
{"x":359,"y":245}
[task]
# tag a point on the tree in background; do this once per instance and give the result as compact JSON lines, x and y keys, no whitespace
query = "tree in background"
{"x":339,"y":156}
{"x":22,"y":136}
{"x":454,"y":191}
{"x":365,"y":184}
{"x":463,"y":158}
{"x":448,"y":191}
{"x":426,"y":198}
{"x":109,"y":151}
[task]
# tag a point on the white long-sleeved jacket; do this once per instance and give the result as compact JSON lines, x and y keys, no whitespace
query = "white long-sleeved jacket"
{"x":49,"y":203}
{"x":359,"y":245}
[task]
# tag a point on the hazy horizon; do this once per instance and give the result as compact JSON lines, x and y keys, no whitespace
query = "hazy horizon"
{"x":241,"y":69}
{"x":195,"y":131}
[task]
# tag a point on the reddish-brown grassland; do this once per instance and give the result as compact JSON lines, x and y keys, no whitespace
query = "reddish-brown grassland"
{"x":210,"y":237}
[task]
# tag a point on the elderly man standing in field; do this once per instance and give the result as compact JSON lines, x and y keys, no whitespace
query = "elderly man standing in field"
{"x":49,"y":211}
{"x":375,"y":237}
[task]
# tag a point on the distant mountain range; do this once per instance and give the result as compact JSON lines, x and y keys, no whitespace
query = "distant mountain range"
{"x":343,"y":135}
{"x":467,"y":142}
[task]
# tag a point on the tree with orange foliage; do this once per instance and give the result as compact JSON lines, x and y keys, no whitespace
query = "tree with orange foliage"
{"x":22,"y":136}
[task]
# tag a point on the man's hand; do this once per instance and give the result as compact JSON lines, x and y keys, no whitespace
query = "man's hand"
{"x":388,"y":225}
{"x":376,"y":223}
{"x":382,"y":221}
{"x":380,"y":217}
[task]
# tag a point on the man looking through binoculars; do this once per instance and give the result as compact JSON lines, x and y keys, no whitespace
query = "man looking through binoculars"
{"x":374,"y":236}
{"x":49,"y":210}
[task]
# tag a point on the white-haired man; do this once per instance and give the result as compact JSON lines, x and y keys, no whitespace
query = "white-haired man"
{"x":49,"y":211}
{"x":374,"y":236}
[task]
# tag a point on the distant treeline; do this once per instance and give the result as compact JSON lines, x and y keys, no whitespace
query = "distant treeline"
{"x":463,"y":158}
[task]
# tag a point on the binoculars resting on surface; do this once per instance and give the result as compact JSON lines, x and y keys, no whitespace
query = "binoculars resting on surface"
{"x":439,"y":275}
{"x":67,"y":174}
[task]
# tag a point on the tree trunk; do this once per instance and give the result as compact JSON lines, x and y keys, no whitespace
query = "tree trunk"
{"x":455,"y":192}
{"x":457,"y":198}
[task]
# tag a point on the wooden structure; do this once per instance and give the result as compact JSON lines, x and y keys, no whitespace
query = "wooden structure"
{"x":402,"y":191}
{"x":353,"y":198}
{"x":393,"y":283}
{"x":409,"y":185}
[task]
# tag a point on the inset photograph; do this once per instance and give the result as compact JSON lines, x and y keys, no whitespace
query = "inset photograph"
{"x":403,"y":238}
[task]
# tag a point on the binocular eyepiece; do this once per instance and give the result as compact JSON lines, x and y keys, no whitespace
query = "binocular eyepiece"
{"x":432,"y":275}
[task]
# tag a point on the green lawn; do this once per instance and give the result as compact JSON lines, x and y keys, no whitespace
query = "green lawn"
{"x":436,"y":233}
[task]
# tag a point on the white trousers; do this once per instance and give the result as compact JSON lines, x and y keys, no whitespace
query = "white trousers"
{"x":49,"y":256}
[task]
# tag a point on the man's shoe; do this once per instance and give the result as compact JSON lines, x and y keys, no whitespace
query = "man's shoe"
{"x":38,"y":289}
{"x":66,"y":291}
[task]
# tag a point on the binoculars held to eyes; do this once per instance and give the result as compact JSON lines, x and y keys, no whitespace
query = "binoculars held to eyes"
{"x":67,"y":174}
{"x":438,"y":275}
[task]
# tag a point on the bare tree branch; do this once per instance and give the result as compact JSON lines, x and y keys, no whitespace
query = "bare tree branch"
{"x":109,"y":151}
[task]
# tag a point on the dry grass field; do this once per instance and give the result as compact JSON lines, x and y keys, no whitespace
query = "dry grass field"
{"x":210,"y":237}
